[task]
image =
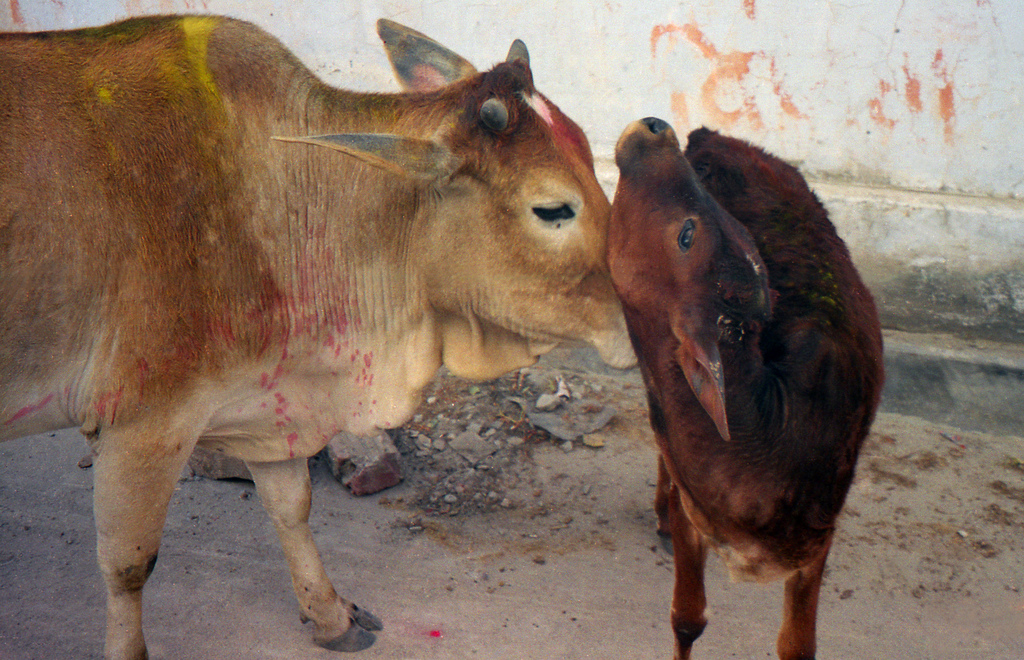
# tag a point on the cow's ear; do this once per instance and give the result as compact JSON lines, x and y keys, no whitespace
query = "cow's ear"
{"x":410,"y":157}
{"x":420,"y":63}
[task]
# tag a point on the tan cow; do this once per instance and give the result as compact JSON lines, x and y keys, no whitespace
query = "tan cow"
{"x":170,"y":273}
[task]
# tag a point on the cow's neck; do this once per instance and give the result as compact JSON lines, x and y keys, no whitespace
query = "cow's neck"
{"x":747,"y":383}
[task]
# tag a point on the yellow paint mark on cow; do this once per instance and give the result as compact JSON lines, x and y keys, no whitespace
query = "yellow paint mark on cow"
{"x":185,"y":69}
{"x":105,"y":95}
{"x":197,"y":31}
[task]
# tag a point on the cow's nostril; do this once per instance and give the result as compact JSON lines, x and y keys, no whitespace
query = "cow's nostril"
{"x":655,"y":125}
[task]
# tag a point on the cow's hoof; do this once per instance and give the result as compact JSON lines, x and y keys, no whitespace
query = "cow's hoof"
{"x":366,"y":619}
{"x":666,"y":541}
{"x":356,"y":638}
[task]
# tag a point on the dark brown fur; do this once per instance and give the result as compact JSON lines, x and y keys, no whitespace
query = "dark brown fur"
{"x":802,"y":364}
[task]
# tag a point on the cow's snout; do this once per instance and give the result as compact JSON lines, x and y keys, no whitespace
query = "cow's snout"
{"x":655,"y":125}
{"x":645,"y":140}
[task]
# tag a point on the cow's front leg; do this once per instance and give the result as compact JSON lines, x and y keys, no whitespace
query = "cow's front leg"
{"x":285,"y":491}
{"x":132,"y":485}
{"x":800,"y":611}
{"x":688,"y":599}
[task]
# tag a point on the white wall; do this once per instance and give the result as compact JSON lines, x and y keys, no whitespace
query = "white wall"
{"x":907,"y":116}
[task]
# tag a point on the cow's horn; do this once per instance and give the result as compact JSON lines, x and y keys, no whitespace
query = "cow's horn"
{"x":518,"y":52}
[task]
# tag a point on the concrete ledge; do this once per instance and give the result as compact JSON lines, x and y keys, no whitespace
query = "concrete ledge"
{"x":976,"y":385}
{"x":936,"y":261}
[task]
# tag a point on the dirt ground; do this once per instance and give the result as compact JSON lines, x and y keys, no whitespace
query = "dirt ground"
{"x":507,"y":542}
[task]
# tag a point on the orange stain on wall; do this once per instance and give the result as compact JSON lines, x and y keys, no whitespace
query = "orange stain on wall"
{"x":947,"y":109}
{"x":680,"y":113}
{"x":913,"y":91}
{"x":729,"y":74}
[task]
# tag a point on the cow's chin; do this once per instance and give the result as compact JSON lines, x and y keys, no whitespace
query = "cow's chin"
{"x":481,"y":350}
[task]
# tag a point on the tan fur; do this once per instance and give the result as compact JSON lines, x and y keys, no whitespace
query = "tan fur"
{"x":171,"y":274}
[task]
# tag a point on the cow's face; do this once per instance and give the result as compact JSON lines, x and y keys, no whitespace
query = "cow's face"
{"x":689,"y":274}
{"x":509,"y":238}
{"x":516,"y":242}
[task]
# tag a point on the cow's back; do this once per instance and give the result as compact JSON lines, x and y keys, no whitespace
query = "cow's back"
{"x":125,"y":245}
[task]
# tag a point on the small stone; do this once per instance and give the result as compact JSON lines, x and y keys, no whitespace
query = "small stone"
{"x":548,"y":402}
{"x":515,"y":441}
{"x":471,"y":446}
{"x":594,"y":440}
{"x":578,"y":418}
{"x":431,"y":400}
{"x":366,"y":465}
{"x":567,"y":446}
{"x":424,"y":442}
{"x":439,"y":444}
{"x":450,"y":498}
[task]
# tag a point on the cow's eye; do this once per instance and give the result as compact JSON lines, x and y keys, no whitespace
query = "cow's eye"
{"x":554,"y":213}
{"x":686,"y":235}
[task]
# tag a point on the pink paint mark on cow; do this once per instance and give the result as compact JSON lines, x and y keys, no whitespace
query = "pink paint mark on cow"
{"x":111,"y":400}
{"x":269,"y":381}
{"x":221,"y":328}
{"x":368,"y":359}
{"x":536,"y":101}
{"x":28,"y":410}
{"x":565,"y":134}
{"x":142,"y":366}
{"x":291,"y":439}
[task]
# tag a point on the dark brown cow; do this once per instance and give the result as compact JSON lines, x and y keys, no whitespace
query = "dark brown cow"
{"x":762,"y":355}
{"x":170,"y":273}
